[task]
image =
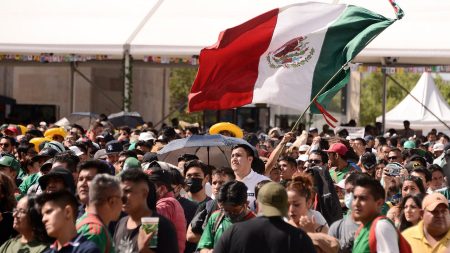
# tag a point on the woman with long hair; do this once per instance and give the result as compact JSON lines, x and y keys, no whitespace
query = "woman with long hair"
{"x":411,"y":211}
{"x":7,"y":203}
{"x":28,"y":222}
{"x":300,"y":197}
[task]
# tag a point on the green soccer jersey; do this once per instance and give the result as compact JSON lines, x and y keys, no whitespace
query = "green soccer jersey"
{"x":96,"y":232}
{"x":361,"y":244}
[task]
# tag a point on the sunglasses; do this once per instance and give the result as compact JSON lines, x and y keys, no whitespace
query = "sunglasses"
{"x":314,"y":161}
{"x":392,"y":157}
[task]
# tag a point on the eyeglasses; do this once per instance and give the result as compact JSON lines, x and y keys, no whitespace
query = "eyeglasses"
{"x":314,"y":161}
{"x":19,"y":211}
{"x":392,"y":158}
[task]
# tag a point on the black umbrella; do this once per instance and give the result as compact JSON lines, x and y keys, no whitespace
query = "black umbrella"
{"x":131,"y":119}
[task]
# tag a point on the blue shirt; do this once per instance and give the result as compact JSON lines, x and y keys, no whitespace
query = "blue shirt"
{"x":79,"y":244}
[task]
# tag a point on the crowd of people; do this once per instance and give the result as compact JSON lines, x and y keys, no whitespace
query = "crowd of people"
{"x":70,"y":189}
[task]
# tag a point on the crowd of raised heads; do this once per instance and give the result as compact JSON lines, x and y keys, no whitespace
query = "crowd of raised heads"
{"x":107,"y":189}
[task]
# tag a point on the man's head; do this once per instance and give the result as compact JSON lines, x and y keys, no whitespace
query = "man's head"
{"x":383,"y":152}
{"x":105,"y":193}
{"x":336,"y":153}
{"x":162,"y":179}
{"x":435,"y":215}
{"x":317,"y":158}
{"x":6,"y":144}
{"x":241,"y":159}
{"x":196,"y":175}
{"x":219,"y":177}
{"x":57,"y":179}
{"x":437,"y":177}
{"x":184,"y":159}
{"x":10,"y":166}
{"x":359,"y":146}
{"x":113,"y":148}
{"x":369,"y":162}
{"x":368,"y":197}
{"x":139,"y":193}
{"x":273,"y":200}
{"x":232,"y":199}
{"x":67,"y":160}
{"x":406,"y":124}
{"x":288,"y":167}
{"x":59,"y":212}
{"x":438,"y":149}
{"x":86,"y":172}
{"x":395,"y":155}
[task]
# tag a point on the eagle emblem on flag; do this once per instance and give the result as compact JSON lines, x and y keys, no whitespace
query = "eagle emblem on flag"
{"x":294,"y":53}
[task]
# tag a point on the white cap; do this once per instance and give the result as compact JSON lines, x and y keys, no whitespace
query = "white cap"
{"x":302,"y":158}
{"x":76,"y":150}
{"x":146,"y":136}
{"x":303,"y":148}
{"x":341,"y":184}
{"x":438,"y":147}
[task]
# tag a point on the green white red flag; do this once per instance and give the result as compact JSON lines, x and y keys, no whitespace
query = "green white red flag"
{"x":284,"y":56}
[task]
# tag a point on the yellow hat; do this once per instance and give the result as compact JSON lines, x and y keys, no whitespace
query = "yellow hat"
{"x":55,"y":131}
{"x":226,"y":126}
{"x":37,"y":141}
{"x":23,"y":129}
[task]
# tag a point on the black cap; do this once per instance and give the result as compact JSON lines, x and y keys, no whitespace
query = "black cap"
{"x":47,"y":152}
{"x":161,"y":176}
{"x":113,"y":146}
{"x":187,"y":157}
{"x":106,"y":136}
{"x":419,"y":158}
{"x":58,"y":172}
{"x":369,"y":160}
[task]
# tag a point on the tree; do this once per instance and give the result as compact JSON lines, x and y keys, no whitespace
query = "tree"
{"x":180,"y":83}
{"x":372,"y":93}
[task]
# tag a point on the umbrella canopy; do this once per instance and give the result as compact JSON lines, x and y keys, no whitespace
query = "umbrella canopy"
{"x":131,"y":119}
{"x":84,"y":119}
{"x":212,"y":149}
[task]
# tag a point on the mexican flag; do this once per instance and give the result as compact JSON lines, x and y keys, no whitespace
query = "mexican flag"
{"x":284,"y":56}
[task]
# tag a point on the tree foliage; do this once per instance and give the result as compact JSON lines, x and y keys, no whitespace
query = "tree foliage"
{"x":372,"y":93}
{"x":180,"y":83}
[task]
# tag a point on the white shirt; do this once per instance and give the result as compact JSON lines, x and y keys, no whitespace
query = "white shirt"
{"x":250,"y":181}
{"x":387,"y":237}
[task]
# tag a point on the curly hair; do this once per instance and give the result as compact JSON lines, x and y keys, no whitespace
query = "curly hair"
{"x":302,"y":184}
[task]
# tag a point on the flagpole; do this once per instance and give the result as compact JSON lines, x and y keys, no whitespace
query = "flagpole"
{"x":317,"y":95}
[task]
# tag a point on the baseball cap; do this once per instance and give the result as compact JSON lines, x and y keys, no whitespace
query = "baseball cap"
{"x":302,"y":158}
{"x":157,"y":175}
{"x":303,"y":148}
{"x":431,"y":201}
{"x":100,"y":154}
{"x":409,"y":144}
{"x":369,"y":160}
{"x":438,"y":147}
{"x":368,"y":138}
{"x":106,"y":136}
{"x":339,"y":148}
{"x":149,"y":157}
{"x":273,"y":200}
{"x":9,"y":161}
{"x":130,"y":163}
{"x":313,"y":129}
{"x":76,"y":150}
{"x":146,"y":136}
{"x":113,"y":146}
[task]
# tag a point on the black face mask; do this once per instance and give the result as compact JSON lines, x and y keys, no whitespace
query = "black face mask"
{"x":236,"y":217}
{"x":194,"y":185}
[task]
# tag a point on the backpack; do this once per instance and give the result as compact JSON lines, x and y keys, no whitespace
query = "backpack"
{"x":327,"y":200}
{"x":90,"y":219}
{"x":403,"y":244}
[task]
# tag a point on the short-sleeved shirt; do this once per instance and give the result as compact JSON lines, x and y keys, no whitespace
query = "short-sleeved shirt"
{"x":79,"y":244}
{"x":344,"y":230}
{"x":419,"y":243}
{"x":339,"y":175}
{"x":96,"y":233}
{"x":264,"y":234}
{"x":14,"y":245}
{"x":28,"y":182}
{"x":250,"y":181}
{"x":126,"y":239}
{"x":209,"y":239}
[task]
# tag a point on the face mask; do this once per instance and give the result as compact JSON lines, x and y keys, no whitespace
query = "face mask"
{"x":348,"y":198}
{"x":194,"y":185}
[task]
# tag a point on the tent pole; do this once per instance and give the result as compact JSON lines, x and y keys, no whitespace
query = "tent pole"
{"x":72,"y":87}
{"x":424,"y":106}
{"x":383,"y":121}
{"x":126,"y":81}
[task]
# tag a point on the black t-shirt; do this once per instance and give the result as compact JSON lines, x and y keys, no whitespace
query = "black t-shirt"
{"x":189,"y":208}
{"x":6,"y":228}
{"x":264,"y":235}
{"x":125,"y":240}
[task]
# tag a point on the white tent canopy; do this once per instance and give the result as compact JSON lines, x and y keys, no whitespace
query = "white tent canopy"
{"x":184,"y":27}
{"x":409,"y":109}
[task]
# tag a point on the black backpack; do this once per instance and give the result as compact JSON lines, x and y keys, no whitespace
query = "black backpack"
{"x":328,"y":201}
